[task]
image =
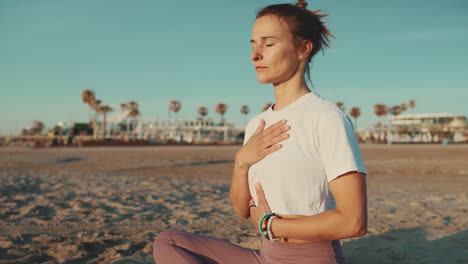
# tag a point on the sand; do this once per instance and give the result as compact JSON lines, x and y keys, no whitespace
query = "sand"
{"x":106,"y":205}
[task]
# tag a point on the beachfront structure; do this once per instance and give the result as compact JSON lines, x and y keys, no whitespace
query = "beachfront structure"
{"x":427,"y":128}
{"x":159,"y":130}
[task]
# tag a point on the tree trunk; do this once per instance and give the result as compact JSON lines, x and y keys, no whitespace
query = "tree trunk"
{"x":95,"y":127}
{"x":127,"y":127}
{"x":104,"y":126}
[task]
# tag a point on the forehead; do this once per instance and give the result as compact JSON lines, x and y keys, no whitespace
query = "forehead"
{"x":270,"y":25}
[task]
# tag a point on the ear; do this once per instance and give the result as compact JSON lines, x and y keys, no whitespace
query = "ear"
{"x":305,"y":49}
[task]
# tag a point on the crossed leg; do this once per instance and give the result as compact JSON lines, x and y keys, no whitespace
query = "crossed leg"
{"x":175,"y":246}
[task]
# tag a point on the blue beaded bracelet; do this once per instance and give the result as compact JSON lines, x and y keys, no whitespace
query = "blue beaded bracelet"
{"x":264,"y":234}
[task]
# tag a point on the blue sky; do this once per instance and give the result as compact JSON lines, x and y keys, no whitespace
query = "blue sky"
{"x":198,"y":52}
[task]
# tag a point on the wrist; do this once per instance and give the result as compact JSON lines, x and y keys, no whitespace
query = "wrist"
{"x":276,"y":227}
{"x":262,"y":228}
{"x":240,"y":164}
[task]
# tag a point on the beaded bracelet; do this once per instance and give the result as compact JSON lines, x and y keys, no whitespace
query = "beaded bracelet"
{"x":270,"y":233}
{"x":260,"y":222}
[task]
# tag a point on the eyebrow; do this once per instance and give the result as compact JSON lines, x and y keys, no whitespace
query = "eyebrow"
{"x":253,"y":41}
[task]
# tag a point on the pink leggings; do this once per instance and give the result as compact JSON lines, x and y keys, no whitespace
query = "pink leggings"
{"x":174,"y":246}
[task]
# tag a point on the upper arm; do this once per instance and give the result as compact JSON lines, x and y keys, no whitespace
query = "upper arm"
{"x":338,"y":147}
{"x":343,"y":165}
{"x":350,"y":193}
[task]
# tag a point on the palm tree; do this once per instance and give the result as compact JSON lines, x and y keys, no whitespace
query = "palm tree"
{"x":245,"y":111}
{"x":86,"y":97}
{"x":411,"y":105}
{"x":380,"y":110}
{"x":35,"y":129}
{"x":403,"y":107}
{"x":94,"y":104}
{"x":202,"y":111}
{"x":174,"y":106}
{"x":384,"y":111}
{"x":395,"y":110}
{"x":221,"y":109}
{"x":340,"y":106}
{"x":123,"y":108}
{"x":132,"y":105}
{"x":104,"y":109}
{"x":266,"y":106}
{"x":134,"y":113}
{"x":355,"y":113}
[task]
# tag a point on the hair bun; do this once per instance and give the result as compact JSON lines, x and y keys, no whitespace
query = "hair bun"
{"x":302,"y":4}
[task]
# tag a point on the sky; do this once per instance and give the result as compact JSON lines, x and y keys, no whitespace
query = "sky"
{"x":197,"y":52}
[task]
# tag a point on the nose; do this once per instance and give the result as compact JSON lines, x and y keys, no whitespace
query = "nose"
{"x":255,"y":55}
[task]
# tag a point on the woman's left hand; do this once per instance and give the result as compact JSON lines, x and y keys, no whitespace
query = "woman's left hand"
{"x":261,"y":208}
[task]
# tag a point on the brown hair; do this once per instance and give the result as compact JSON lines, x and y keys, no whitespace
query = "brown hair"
{"x":304,"y":25}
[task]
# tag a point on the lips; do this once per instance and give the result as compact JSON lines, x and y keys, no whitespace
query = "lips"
{"x":260,"y":68}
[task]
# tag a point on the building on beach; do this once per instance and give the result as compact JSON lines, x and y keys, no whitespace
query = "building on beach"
{"x":160,"y":130}
{"x":421,"y":128}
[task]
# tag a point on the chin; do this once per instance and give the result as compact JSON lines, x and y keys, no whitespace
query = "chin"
{"x":264,"y":79}
{"x":264,"y":82}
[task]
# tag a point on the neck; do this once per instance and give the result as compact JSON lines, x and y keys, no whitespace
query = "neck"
{"x":289,"y":91}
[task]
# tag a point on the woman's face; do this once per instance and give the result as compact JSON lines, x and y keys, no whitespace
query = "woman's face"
{"x":274,"y":52}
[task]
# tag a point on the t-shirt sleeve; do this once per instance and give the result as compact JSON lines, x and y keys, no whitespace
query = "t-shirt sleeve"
{"x":338,"y":146}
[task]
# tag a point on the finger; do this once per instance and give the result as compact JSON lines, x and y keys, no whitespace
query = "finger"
{"x":260,"y":127}
{"x":279,"y":131}
{"x":268,"y":138}
{"x":273,"y":141}
{"x":274,"y":126}
{"x":260,"y":193}
{"x":273,"y":134}
{"x":253,"y":219}
{"x":261,"y":197}
{"x":266,"y":151}
{"x":252,"y":212}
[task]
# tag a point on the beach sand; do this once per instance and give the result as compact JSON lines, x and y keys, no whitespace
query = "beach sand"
{"x":106,"y":205}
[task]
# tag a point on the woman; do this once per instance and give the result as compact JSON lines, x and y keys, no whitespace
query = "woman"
{"x":300,"y":160}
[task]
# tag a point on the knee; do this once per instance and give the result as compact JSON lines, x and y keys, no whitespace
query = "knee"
{"x":165,"y":238}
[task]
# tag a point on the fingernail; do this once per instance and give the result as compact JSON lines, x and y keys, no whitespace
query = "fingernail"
{"x":257,"y":185}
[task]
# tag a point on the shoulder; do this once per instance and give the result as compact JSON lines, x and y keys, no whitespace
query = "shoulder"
{"x":323,"y":111}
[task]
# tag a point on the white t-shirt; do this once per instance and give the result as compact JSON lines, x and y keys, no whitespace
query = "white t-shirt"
{"x":321,"y":146}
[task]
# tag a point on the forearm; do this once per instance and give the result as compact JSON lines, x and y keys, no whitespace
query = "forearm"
{"x":329,"y":225}
{"x":260,"y":144}
{"x":239,"y":192}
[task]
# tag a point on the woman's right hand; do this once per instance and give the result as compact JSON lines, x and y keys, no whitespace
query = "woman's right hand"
{"x":261,"y":143}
